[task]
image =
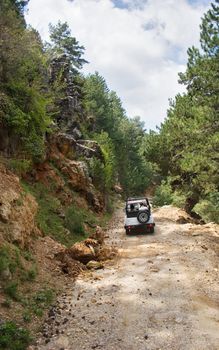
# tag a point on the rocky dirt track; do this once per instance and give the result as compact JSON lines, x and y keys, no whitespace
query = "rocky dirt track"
{"x":161,"y":293}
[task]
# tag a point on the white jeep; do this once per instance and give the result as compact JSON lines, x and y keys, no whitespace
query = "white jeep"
{"x":138,"y":216}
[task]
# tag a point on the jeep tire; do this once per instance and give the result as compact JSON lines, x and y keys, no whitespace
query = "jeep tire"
{"x":143,"y":216}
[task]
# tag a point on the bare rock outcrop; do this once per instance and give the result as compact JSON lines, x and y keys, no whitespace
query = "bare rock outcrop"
{"x":71,"y":103}
{"x":74,"y":149}
{"x":65,"y":153}
{"x":17,"y":210}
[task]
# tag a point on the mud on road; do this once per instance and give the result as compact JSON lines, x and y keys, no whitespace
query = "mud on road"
{"x":160,"y":293}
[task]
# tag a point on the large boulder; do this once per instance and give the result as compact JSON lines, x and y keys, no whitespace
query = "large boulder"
{"x":84,"y":251}
{"x":81,"y":252}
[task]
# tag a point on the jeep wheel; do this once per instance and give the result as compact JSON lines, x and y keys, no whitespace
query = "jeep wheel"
{"x":143,"y":216}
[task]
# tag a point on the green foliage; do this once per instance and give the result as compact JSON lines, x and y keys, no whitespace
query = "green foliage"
{"x":27,"y":316}
{"x":22,"y":78}
{"x":19,"y":6}
{"x":97,"y":169}
{"x":13,"y":337}
{"x":135,"y":173}
{"x":120,"y":138}
{"x":14,"y":272}
{"x":9,"y":259}
{"x":178,"y":199}
{"x":103,"y":172}
{"x":43,"y":298}
{"x":36,"y":304}
{"x":66,"y":230}
{"x":4,"y":259}
{"x":209,"y":37}
{"x":20,"y":166}
{"x":208,"y":208}
{"x":74,"y":219}
{"x":30,"y":274}
{"x":28,"y":255}
{"x":47,"y":217}
{"x":11,"y":289}
{"x":63,"y":43}
{"x":96,"y":103}
{"x":186,"y":148}
{"x":163,"y":194}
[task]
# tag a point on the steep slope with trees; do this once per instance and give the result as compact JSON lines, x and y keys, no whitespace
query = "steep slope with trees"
{"x":185,"y":149}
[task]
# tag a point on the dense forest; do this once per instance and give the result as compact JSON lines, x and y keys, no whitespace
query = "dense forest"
{"x":185,"y":149}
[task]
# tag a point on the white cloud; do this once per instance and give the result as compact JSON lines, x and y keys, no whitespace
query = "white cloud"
{"x":139,"y":49}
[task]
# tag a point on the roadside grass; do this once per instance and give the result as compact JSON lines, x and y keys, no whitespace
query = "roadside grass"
{"x":14,"y":273}
{"x":36,"y":304}
{"x":13,"y":337}
{"x":64,"y":224}
{"x":19,"y":166}
{"x":11,"y":290}
{"x":15,"y":269}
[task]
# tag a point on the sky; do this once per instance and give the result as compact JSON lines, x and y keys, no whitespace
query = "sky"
{"x":138,"y":46}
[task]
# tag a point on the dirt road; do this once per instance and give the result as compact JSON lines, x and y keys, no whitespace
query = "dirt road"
{"x":161,"y":293}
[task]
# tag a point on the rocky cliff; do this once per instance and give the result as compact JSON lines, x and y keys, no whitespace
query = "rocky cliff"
{"x":17,"y":210}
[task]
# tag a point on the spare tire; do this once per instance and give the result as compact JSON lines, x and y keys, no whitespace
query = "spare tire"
{"x":143,"y":216}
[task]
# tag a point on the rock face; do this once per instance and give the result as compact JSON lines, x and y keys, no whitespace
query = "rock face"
{"x":17,"y":210}
{"x":70,"y":105}
{"x":72,"y":149}
{"x":63,"y":152}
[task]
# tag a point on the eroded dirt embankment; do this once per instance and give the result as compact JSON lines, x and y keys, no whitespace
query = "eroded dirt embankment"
{"x":161,"y":293}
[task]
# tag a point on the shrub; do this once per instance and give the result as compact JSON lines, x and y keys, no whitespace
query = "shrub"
{"x":28,"y":255}
{"x":47,"y":218}
{"x":11,"y":290}
{"x":74,"y":219}
{"x":4,"y":259}
{"x":29,"y":275}
{"x":13,"y":338}
{"x":178,"y":199}
{"x":43,"y":298}
{"x":27,"y":316}
{"x":9,"y":259}
{"x":208,"y":208}
{"x":20,"y":166}
{"x":97,"y":172}
{"x":163,"y":194}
